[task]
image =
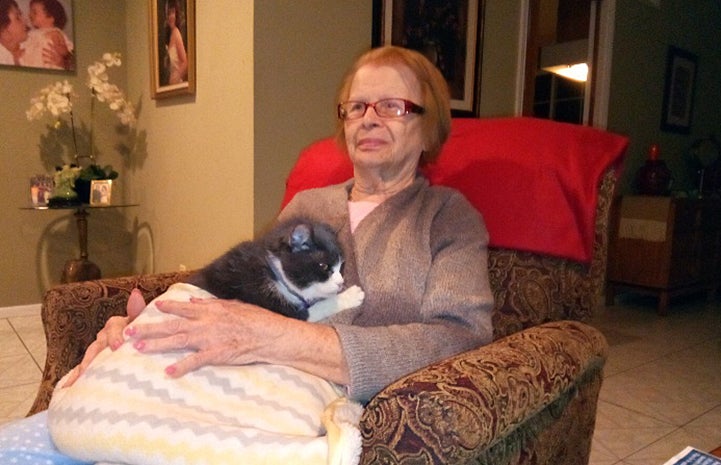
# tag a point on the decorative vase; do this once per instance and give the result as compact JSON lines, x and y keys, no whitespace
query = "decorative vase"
{"x":654,"y":177}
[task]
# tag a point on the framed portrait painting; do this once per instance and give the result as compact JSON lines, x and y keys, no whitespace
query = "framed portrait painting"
{"x":38,"y":34}
{"x":678,"y":91}
{"x":172,"y":48}
{"x":448,"y":32}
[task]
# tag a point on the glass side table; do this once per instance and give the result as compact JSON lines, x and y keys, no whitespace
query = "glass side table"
{"x":81,"y":269}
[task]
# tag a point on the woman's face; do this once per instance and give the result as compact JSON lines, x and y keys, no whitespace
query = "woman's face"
{"x":170,"y":16}
{"x":16,"y":31}
{"x":392,"y":146}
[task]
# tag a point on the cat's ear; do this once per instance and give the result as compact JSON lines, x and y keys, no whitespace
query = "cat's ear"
{"x":300,"y":238}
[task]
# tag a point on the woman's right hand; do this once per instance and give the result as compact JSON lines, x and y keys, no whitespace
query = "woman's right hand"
{"x":110,"y":336}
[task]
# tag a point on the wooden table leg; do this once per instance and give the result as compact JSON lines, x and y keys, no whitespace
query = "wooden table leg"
{"x":81,"y":269}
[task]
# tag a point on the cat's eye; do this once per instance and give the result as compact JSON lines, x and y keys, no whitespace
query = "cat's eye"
{"x":323,"y":267}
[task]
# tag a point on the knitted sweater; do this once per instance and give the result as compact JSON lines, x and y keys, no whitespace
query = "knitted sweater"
{"x":421,"y":258}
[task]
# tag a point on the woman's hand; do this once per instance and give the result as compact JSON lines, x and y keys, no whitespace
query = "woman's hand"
{"x":110,"y":336}
{"x":228,"y":332}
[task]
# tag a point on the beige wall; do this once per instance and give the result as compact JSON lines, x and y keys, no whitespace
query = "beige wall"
{"x":195,"y":186}
{"x":302,"y":50}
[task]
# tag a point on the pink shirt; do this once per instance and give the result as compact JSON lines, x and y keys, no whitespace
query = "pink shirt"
{"x":359,"y":210}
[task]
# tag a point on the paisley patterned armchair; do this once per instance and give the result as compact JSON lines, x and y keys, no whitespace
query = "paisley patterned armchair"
{"x":527,"y":398}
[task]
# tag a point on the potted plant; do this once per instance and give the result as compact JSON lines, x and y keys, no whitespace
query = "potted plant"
{"x":57,"y":101}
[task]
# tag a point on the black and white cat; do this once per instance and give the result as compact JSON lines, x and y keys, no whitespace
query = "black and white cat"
{"x":294,"y":269}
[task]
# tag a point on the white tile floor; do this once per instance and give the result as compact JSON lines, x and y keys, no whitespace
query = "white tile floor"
{"x":662,"y":386}
{"x":22,"y":357}
{"x":662,"y":390}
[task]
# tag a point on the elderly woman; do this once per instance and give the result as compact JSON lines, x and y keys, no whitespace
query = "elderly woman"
{"x":412,"y":247}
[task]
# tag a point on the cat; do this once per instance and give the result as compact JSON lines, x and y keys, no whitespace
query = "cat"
{"x":294,"y":270}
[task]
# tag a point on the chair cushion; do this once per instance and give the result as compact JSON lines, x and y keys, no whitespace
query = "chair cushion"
{"x":535,"y":181}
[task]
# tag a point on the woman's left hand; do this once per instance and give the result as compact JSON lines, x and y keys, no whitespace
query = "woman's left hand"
{"x":228,"y":332}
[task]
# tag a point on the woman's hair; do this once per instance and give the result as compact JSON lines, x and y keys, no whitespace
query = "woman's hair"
{"x":55,"y":10}
{"x":5,"y":7}
{"x":175,"y":6}
{"x":436,"y":121}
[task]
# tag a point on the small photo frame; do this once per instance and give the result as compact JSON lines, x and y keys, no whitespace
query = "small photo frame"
{"x":172,"y":48}
{"x":679,"y":91}
{"x":41,"y":188}
{"x":101,"y":192}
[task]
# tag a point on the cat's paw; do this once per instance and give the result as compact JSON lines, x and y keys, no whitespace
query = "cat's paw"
{"x":351,"y":297}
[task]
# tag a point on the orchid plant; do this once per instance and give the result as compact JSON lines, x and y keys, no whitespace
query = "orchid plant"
{"x":57,"y":100}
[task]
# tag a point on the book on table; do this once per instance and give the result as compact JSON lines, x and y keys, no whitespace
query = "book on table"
{"x":693,"y":456}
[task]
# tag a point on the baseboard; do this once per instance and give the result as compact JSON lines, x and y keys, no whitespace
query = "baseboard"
{"x":20,"y":310}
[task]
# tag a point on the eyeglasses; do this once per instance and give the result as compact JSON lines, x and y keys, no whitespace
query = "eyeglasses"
{"x":386,"y":108}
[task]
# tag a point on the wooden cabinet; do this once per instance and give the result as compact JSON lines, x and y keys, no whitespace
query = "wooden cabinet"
{"x":665,"y":246}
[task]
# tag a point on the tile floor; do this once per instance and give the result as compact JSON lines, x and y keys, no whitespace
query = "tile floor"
{"x":662,"y":390}
{"x":662,"y":387}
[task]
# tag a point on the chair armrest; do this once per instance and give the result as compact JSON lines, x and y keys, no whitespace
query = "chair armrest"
{"x":73,"y":314}
{"x":455,"y":410}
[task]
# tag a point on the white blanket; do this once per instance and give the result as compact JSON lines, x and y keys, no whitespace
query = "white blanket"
{"x":125,"y":409}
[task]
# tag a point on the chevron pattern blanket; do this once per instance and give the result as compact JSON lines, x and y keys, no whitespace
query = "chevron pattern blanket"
{"x":125,"y":410}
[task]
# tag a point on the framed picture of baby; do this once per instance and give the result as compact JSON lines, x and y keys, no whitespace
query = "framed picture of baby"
{"x":172,"y":48}
{"x":37,"y":34}
{"x":101,"y":191}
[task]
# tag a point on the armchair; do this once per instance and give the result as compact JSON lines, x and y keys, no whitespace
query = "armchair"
{"x":527,"y":398}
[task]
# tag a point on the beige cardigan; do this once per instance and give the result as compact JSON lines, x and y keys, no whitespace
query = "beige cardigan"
{"x":421,"y":257}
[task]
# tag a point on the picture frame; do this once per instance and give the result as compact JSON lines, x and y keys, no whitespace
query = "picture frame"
{"x":679,"y":89}
{"x":54,"y":27}
{"x":170,"y":74}
{"x":449,"y":33}
{"x":101,"y":192}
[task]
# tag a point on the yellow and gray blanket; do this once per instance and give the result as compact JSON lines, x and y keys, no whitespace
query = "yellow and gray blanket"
{"x":124,"y":409}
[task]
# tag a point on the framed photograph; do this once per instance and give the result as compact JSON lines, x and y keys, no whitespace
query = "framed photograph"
{"x":172,"y":48}
{"x":448,"y":32}
{"x":679,"y":91}
{"x":45,"y":41}
{"x":101,"y":192}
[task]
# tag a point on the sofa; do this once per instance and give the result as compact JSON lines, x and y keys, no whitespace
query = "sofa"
{"x":530,"y":396}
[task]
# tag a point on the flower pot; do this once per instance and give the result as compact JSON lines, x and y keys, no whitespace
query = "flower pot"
{"x":82,"y":187}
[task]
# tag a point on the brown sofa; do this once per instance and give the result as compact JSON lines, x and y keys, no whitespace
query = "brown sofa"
{"x":527,"y":398}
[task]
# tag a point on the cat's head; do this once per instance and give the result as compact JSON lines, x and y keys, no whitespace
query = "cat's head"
{"x":310,"y":258}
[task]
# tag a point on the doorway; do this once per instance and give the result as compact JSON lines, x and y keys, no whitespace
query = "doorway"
{"x":561,"y":34}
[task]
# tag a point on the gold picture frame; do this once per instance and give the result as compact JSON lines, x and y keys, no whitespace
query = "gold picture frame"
{"x":172,"y":49}
{"x":101,"y":192}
